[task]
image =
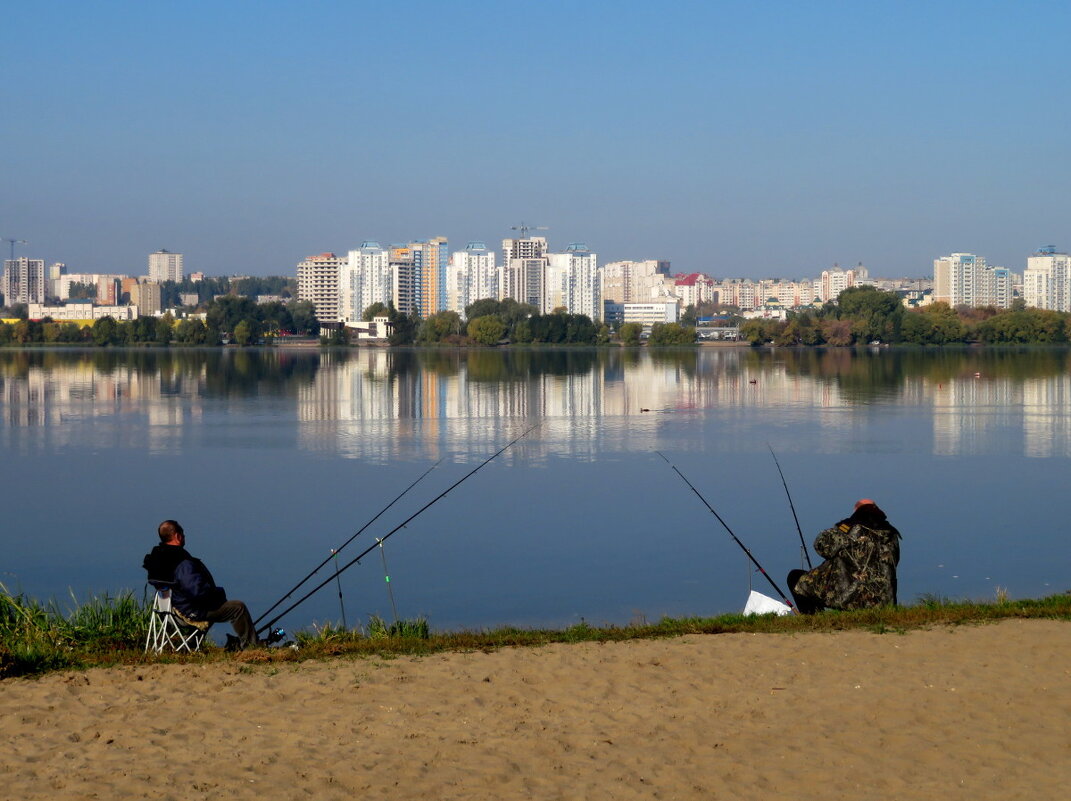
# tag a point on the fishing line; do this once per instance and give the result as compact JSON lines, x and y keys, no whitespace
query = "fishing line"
{"x":399,"y":527}
{"x":334,"y":552}
{"x":386,"y":579}
{"x":725,"y":525}
{"x":792,"y":506}
{"x":341,"y":603}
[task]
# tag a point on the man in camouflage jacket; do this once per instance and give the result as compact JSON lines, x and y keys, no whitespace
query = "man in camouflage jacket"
{"x":861,"y":554}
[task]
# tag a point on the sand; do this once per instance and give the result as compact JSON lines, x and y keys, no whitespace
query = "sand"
{"x":972,"y":712}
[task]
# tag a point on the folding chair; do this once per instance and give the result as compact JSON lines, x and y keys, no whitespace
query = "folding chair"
{"x":170,"y":629}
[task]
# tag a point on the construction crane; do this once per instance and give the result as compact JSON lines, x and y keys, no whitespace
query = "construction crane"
{"x":524,"y":229}
{"x":13,"y":243}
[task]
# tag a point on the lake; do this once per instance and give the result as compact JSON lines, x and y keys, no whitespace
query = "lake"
{"x":270,"y":458}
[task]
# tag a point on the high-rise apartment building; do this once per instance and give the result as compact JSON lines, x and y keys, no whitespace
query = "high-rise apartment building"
{"x":365,"y":280}
{"x":473,"y":276}
{"x":318,"y":282}
{"x":694,"y":289}
{"x":572,"y":282}
{"x":23,"y":281}
{"x":431,"y":259}
{"x":633,"y":281}
{"x":964,"y":279}
{"x":835,"y":281}
{"x":1047,"y":280}
{"x":524,"y":267}
{"x":404,"y":287}
{"x":146,"y":296}
{"x":165,"y":266}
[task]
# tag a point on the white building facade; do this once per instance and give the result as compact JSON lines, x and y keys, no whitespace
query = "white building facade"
{"x":165,"y":266}
{"x":473,"y":276}
{"x":573,"y":282}
{"x":318,"y":282}
{"x":633,"y":281}
{"x":23,"y":281}
{"x":366,"y":280}
{"x":1047,"y":281}
{"x":964,"y":279}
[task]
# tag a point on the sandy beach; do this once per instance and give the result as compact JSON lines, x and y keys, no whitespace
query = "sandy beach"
{"x":978,"y":712}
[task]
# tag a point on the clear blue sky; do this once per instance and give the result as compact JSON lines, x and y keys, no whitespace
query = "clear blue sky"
{"x":735,"y":138}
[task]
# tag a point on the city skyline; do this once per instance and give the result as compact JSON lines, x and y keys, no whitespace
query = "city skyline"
{"x":727,"y":138}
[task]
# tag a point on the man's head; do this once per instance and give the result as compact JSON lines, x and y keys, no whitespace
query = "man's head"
{"x":863,"y":502}
{"x":171,"y":533}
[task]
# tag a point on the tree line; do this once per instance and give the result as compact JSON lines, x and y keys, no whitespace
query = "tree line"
{"x":230,"y":317}
{"x":492,"y":322}
{"x":863,"y":315}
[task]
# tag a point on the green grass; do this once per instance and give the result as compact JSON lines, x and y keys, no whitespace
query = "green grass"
{"x":35,"y":637}
{"x":109,"y":630}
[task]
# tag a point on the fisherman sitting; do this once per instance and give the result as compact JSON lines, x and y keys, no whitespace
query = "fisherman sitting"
{"x":861,"y":554}
{"x":193,"y":592}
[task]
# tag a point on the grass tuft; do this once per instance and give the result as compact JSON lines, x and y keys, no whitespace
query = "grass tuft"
{"x":108,"y":630}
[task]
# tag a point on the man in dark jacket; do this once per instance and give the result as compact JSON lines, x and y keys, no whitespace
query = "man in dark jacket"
{"x":861,"y":554}
{"x":193,"y":592}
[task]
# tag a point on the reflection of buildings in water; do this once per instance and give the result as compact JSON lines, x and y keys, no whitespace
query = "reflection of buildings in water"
{"x":68,"y":392}
{"x":1046,"y":422}
{"x":968,"y":412}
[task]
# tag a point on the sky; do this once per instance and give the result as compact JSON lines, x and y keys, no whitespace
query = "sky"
{"x":733,"y":138}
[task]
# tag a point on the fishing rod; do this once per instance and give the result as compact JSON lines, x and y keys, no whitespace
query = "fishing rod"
{"x":803,"y":542}
{"x":736,"y":539}
{"x":403,"y":524}
{"x":334,"y":552}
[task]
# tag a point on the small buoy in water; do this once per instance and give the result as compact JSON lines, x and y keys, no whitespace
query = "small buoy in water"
{"x":645,"y":410}
{"x":752,"y":381}
{"x":977,"y":375}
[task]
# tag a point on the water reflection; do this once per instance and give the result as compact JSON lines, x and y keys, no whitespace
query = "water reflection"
{"x":376,"y":403}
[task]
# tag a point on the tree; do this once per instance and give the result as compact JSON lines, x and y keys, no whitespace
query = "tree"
{"x":671,"y":334}
{"x":104,"y":331}
{"x":377,"y":309}
{"x":629,"y":334}
{"x":165,"y":329}
{"x":759,"y":332}
{"x":876,"y":314}
{"x":303,"y":316}
{"x":486,"y":330}
{"x":837,"y":332}
{"x":439,"y":327}
{"x":243,"y":333}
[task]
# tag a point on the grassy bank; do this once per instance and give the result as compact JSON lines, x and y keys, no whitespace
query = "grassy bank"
{"x":108,"y":630}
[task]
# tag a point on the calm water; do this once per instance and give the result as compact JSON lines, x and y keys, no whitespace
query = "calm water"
{"x":269,"y":459}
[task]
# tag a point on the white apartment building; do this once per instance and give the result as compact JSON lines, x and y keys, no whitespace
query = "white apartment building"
{"x":744,"y":293}
{"x":473,"y":276}
{"x":23,"y":281}
{"x":790,"y":294}
{"x":165,"y":266}
{"x":366,"y":279}
{"x":964,"y":279}
{"x":629,"y":281}
{"x":572,"y":282}
{"x":403,"y":279}
{"x":523,"y":274}
{"x":1047,"y":280}
{"x":694,"y":289}
{"x":835,"y":281}
{"x":81,"y":311}
{"x":318,"y":282}
{"x":646,"y":314}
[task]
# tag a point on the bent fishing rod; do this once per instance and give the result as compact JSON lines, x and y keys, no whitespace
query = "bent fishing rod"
{"x":399,"y":527}
{"x":725,"y":525}
{"x":334,"y":552}
{"x":803,"y":542}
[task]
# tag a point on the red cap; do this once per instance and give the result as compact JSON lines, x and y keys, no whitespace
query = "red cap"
{"x":864,"y":502}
